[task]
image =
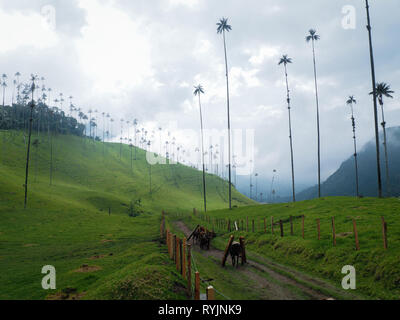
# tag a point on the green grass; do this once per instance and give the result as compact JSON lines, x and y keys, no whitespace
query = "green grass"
{"x":378,"y":271}
{"x":67,"y":224}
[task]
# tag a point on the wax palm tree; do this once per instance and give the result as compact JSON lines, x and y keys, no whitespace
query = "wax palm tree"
{"x":90,"y":123}
{"x":371,"y":54}
{"x":17,"y":76}
{"x":313,"y":37}
{"x":120,"y":146}
{"x":135,"y":124}
{"x":350,"y":103}
{"x":13,"y":92}
{"x":4,"y":85}
{"x":198,"y":92}
{"x":49,"y":90}
{"x":224,"y":27}
{"x":108,"y":126}
{"x":61,"y":100}
{"x":285,"y":60}
{"x":32,"y":105}
{"x":383,"y":90}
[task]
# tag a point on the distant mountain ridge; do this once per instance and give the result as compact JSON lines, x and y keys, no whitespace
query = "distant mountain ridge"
{"x":342,"y":182}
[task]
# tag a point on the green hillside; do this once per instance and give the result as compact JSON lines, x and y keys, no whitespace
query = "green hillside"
{"x":378,"y":273}
{"x":68,"y":224}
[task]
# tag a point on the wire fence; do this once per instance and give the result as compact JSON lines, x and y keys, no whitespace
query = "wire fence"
{"x":181,"y":263}
{"x":206,"y":281}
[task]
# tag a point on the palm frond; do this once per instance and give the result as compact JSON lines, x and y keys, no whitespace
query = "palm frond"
{"x":312,"y":35}
{"x":223,"y":25}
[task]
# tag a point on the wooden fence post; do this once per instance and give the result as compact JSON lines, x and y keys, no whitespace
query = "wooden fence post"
{"x":184,"y":258}
{"x":356,"y":234}
{"x":291,"y":226}
{"x":333,"y":232}
{"x":319,"y":229}
{"x":174,"y":247}
{"x":272,"y":225}
{"x":189,"y":270}
{"x":227,"y":250}
{"x":171,"y":240}
{"x":242,"y":226}
{"x":229,"y":225}
{"x":281,"y":226}
{"x":181,"y":256}
{"x":243,"y":246}
{"x":167,"y":241}
{"x":253,"y":225}
{"x":265,"y":225}
{"x":302,"y":226}
{"x":384,"y":233}
{"x":177,"y":254}
{"x":197,"y":286}
{"x":210,"y":293}
{"x":247,"y":224}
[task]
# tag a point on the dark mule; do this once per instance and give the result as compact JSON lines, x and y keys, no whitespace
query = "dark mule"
{"x":235,"y":252}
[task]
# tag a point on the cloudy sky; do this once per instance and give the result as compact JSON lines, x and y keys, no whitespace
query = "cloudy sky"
{"x":141,"y":58}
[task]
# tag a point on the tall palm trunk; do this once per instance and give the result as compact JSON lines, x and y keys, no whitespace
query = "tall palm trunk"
{"x":388,"y":191}
{"x":29,"y":147}
{"x":229,"y":125}
{"x":318,"y":126}
{"x":355,"y":150}
{"x":371,"y":53}
{"x":290,"y":134}
{"x":202,"y":157}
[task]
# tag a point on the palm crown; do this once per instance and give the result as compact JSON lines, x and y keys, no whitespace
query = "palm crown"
{"x":198,"y":90}
{"x":351,"y":100}
{"x":285,"y":60}
{"x":312,"y":36}
{"x":223,"y":25}
{"x":383,"y":89}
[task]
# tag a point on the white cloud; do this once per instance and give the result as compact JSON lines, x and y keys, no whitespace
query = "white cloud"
{"x":113,"y":49}
{"x":203,"y":46}
{"x":240,"y":77}
{"x":25,"y":30}
{"x":262,"y":54}
{"x":185,"y":3}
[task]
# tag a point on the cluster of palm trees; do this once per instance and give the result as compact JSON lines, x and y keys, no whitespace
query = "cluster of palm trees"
{"x":380,"y":90}
{"x":31,"y":94}
{"x":31,"y":108}
{"x":222,"y":28}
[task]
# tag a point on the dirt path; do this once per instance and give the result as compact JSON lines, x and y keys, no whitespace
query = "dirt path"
{"x":270,"y":280}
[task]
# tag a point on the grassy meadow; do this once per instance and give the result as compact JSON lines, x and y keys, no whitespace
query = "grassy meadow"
{"x":97,"y":255}
{"x":377,"y":269}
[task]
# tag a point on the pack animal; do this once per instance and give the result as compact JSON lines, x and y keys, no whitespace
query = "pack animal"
{"x":235,"y":252}
{"x":203,"y":237}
